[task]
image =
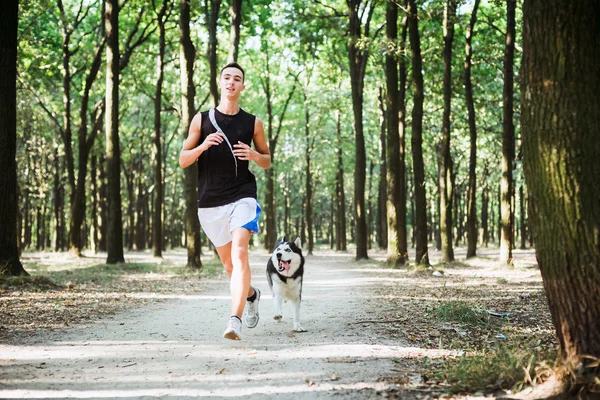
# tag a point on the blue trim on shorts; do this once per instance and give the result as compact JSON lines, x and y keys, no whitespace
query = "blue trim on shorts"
{"x":253,"y":225}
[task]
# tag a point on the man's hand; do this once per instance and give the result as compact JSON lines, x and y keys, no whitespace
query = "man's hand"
{"x":244,"y":152}
{"x":213,"y":139}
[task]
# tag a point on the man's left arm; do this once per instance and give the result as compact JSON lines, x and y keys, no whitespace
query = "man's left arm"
{"x":261,"y":155}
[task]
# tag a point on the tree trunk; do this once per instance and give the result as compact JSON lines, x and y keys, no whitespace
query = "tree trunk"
{"x":187,"y":54}
{"x":395,"y":256}
{"x":212,"y":17}
{"x":561,"y":127}
{"x":94,"y":205}
{"x":446,"y":165}
{"x":9,"y":251}
{"x":358,"y":60}
{"x":309,"y":183}
{"x":508,"y":141}
{"x":382,"y":219}
{"x":523,"y":217}
{"x":485,"y":236}
{"x":472,"y":189}
{"x":58,"y":205}
{"x":422,"y":256}
{"x":113,"y":151}
{"x":158,"y":193}
{"x":103,"y":209}
{"x":235,"y":11}
{"x":341,"y":242}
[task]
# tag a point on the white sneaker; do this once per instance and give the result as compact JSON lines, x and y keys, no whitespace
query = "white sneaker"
{"x":251,"y":311}
{"x":234,"y":329}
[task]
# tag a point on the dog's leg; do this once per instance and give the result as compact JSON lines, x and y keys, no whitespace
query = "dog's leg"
{"x":278,"y":302}
{"x":297,"y":326}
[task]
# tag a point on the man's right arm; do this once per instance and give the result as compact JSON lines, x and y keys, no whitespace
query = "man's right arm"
{"x":191,"y":151}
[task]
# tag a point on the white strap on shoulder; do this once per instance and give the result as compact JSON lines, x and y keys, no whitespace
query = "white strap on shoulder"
{"x":211,"y":116}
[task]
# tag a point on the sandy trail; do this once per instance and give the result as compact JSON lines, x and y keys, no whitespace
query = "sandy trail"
{"x":175,"y":349}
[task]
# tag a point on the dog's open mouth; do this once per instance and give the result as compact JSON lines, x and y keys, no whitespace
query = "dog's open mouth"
{"x":284,"y":265}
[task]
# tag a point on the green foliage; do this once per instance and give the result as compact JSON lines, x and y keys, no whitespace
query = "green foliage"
{"x":507,"y":366}
{"x":460,"y":311}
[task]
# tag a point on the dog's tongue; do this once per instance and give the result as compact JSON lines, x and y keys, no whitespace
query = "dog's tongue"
{"x":285,"y":264}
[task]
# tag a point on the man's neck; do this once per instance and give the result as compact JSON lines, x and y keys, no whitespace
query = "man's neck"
{"x":228,"y":107}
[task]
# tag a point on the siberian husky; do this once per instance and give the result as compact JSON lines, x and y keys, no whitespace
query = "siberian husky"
{"x":285,"y":270}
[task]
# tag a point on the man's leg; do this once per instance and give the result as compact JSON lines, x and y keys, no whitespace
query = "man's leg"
{"x":240,"y":274}
{"x":225,"y":256}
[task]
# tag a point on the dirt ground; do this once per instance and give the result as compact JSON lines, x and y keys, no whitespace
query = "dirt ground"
{"x":371,"y":331}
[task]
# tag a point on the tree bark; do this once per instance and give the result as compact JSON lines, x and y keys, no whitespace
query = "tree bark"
{"x":446,"y":165}
{"x":113,"y":150}
{"x":309,"y":183}
{"x":9,"y":251}
{"x":561,"y":127}
{"x":382,"y":220}
{"x":422,"y":256}
{"x":158,"y":192}
{"x":187,"y":54}
{"x":235,"y":11}
{"x":472,"y":189}
{"x":212,"y":17}
{"x":508,"y":141}
{"x":341,"y":240}
{"x":358,"y":60}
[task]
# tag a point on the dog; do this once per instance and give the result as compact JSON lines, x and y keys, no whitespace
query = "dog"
{"x":285,"y":273}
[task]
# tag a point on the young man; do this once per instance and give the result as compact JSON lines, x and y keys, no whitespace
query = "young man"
{"x":227,"y":207}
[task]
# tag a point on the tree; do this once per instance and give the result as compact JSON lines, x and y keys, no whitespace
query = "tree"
{"x":212,"y":18}
{"x":235,"y":11}
{"x":561,"y":127}
{"x":158,"y":193}
{"x":9,"y":252}
{"x":422,"y":256}
{"x":472,"y":188}
{"x":357,"y":56}
{"x":187,"y":54}
{"x":446,"y":167}
{"x":113,"y":150}
{"x":508,"y":140}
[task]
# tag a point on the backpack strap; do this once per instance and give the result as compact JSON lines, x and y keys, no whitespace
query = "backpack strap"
{"x":211,"y":116}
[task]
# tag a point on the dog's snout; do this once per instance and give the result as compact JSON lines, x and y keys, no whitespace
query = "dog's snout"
{"x":278,"y":255}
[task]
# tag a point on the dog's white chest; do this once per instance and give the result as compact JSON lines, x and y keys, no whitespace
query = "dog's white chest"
{"x":289,"y":290}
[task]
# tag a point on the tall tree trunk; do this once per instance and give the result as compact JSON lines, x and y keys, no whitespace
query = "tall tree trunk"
{"x":508,"y":141}
{"x":485,"y":235}
{"x":472,"y":189}
{"x":395,"y":256}
{"x":523,"y":217}
{"x":9,"y":251}
{"x":341,"y":242}
{"x":58,"y":205}
{"x":382,"y":219}
{"x":272,"y":137}
{"x":158,"y":193}
{"x":212,"y":17}
{"x":445,"y":176}
{"x":235,"y":11}
{"x":358,"y":60}
{"x":113,"y":150}
{"x":561,"y":127}
{"x":103,"y":209}
{"x":94,"y":204}
{"x":422,"y":256}
{"x":309,"y":183}
{"x":187,"y":54}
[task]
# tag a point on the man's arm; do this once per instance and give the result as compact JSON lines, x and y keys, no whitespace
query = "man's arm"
{"x":191,"y":150}
{"x":261,"y":155}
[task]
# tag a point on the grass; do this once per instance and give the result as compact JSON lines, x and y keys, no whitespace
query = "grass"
{"x":507,"y":366}
{"x":460,"y":311}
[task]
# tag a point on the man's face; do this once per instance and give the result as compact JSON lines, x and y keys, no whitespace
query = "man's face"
{"x":231,"y":82}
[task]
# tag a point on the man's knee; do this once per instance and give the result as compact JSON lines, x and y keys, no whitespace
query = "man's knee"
{"x":239,"y":255}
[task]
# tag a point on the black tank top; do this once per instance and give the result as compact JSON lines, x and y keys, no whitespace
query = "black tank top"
{"x":219,"y":181}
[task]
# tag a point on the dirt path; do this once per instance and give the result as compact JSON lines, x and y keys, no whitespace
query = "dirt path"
{"x":174,"y":348}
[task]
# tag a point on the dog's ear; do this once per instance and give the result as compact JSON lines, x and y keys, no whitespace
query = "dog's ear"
{"x":280,"y":240}
{"x":298,"y":243}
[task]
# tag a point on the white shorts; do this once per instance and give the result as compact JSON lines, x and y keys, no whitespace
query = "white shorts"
{"x":219,"y":222}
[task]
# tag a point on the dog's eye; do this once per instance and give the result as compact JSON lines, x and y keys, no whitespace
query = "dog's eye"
{"x":288,"y":250}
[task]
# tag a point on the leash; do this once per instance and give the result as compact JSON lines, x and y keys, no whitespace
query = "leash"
{"x":211,"y":116}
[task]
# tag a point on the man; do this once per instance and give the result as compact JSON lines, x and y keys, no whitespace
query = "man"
{"x":227,"y":207}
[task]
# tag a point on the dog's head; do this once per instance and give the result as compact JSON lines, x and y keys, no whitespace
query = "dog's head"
{"x":287,"y":256}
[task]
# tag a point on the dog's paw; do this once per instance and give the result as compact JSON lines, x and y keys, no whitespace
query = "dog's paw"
{"x":277,"y":317}
{"x":299,"y":329}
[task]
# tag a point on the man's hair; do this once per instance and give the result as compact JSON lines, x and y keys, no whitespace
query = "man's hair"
{"x":234,"y":65}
